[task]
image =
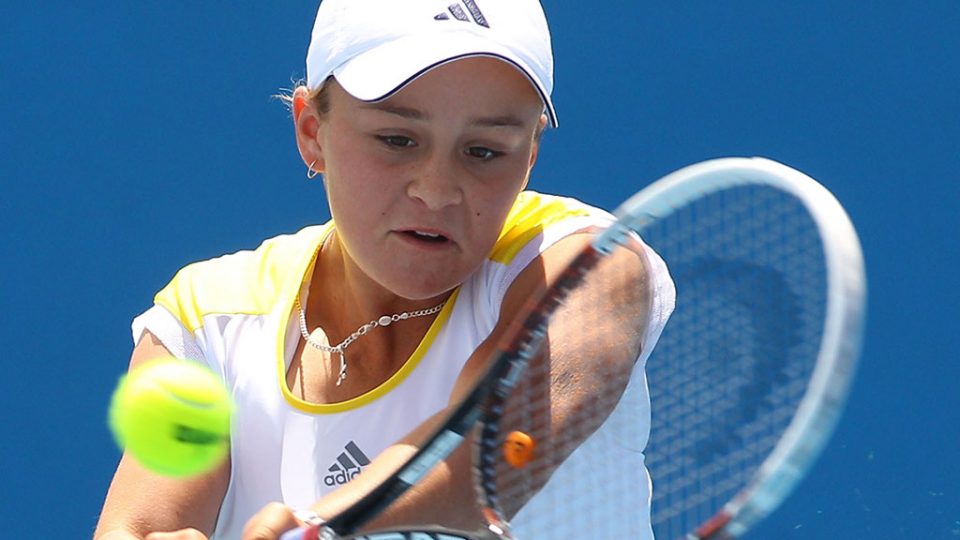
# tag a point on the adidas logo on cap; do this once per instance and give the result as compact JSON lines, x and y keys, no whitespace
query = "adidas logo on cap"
{"x":348,"y":465}
{"x":458,"y":13}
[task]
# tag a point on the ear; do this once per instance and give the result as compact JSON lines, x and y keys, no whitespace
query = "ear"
{"x":307,"y":126}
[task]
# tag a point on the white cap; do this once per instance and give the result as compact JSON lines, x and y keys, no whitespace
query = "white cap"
{"x":375,"y":47}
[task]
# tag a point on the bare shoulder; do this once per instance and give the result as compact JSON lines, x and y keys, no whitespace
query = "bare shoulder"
{"x":608,"y":312}
{"x":617,"y":289}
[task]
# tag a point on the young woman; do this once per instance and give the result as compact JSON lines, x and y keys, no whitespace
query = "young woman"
{"x":344,"y":343}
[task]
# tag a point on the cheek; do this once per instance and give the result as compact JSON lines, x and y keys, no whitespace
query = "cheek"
{"x":352,"y":176}
{"x":495,"y":194}
{"x":488,"y":218}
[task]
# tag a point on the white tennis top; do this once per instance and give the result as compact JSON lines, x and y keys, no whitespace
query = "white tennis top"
{"x":236,"y":315}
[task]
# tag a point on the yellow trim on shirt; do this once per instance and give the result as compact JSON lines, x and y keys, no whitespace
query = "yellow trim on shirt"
{"x":243,"y":283}
{"x":381,"y":390}
{"x":531,"y":213}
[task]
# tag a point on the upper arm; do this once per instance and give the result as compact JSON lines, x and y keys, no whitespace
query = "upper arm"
{"x":586,"y":360}
{"x":140,"y":501}
{"x":601,"y":323}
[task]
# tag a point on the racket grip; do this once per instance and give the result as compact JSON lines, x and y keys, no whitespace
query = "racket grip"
{"x":303,"y":533}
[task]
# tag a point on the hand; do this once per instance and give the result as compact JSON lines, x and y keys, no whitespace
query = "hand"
{"x":270,"y":522}
{"x":182,"y":534}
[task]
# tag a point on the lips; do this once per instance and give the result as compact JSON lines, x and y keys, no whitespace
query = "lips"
{"x":426,"y":235}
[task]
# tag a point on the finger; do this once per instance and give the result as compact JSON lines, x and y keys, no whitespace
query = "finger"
{"x":182,"y":534}
{"x":270,"y":522}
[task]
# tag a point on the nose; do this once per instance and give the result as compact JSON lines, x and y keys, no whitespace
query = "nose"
{"x":434,"y":183}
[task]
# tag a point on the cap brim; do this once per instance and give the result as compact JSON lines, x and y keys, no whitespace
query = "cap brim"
{"x":378,"y":73}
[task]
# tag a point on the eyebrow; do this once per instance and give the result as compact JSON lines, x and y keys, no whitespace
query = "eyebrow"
{"x":404,"y":112}
{"x":499,"y":121}
{"x":409,"y":113}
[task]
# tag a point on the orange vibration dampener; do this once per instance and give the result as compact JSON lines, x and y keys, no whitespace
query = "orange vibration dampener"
{"x":518,"y":449}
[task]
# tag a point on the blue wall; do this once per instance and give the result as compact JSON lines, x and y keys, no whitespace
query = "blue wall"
{"x":136,"y":139}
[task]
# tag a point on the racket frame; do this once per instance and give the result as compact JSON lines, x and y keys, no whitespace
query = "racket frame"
{"x":822,"y":404}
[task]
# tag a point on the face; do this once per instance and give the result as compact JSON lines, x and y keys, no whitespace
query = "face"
{"x":420,"y":184}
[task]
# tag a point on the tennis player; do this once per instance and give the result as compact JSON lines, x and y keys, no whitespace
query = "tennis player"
{"x":344,"y":343}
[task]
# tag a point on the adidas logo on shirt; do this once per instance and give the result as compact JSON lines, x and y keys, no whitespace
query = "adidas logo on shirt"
{"x":457,"y":12}
{"x":348,"y":465}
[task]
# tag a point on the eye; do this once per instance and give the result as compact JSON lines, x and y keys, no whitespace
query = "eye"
{"x":482,"y":153}
{"x":396,"y":141}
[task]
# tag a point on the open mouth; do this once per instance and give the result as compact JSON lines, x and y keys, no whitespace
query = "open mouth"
{"x":432,"y":238}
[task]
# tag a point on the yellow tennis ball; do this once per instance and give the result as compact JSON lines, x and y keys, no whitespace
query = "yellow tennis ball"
{"x":173,"y":416}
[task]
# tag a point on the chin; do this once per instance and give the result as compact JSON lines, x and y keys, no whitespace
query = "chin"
{"x":423,"y":287}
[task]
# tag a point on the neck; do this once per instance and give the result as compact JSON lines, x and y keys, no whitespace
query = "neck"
{"x":342,"y":297}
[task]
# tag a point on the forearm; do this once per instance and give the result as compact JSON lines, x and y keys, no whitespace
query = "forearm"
{"x":570,"y":388}
{"x":140,"y":502}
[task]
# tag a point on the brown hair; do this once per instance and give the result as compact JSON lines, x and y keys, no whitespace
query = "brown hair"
{"x":319,"y":97}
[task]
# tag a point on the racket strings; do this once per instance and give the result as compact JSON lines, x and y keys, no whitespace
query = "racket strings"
{"x":734,"y":361}
{"x":723,"y":382}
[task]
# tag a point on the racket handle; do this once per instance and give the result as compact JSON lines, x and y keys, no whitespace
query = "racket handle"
{"x":303,"y":533}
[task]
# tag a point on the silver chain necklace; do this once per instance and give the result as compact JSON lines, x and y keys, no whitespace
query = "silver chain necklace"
{"x":385,"y":320}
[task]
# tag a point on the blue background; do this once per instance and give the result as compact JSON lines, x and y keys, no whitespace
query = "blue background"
{"x":138,"y":136}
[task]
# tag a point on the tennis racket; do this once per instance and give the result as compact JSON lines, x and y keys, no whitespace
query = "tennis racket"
{"x":738,"y":398}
